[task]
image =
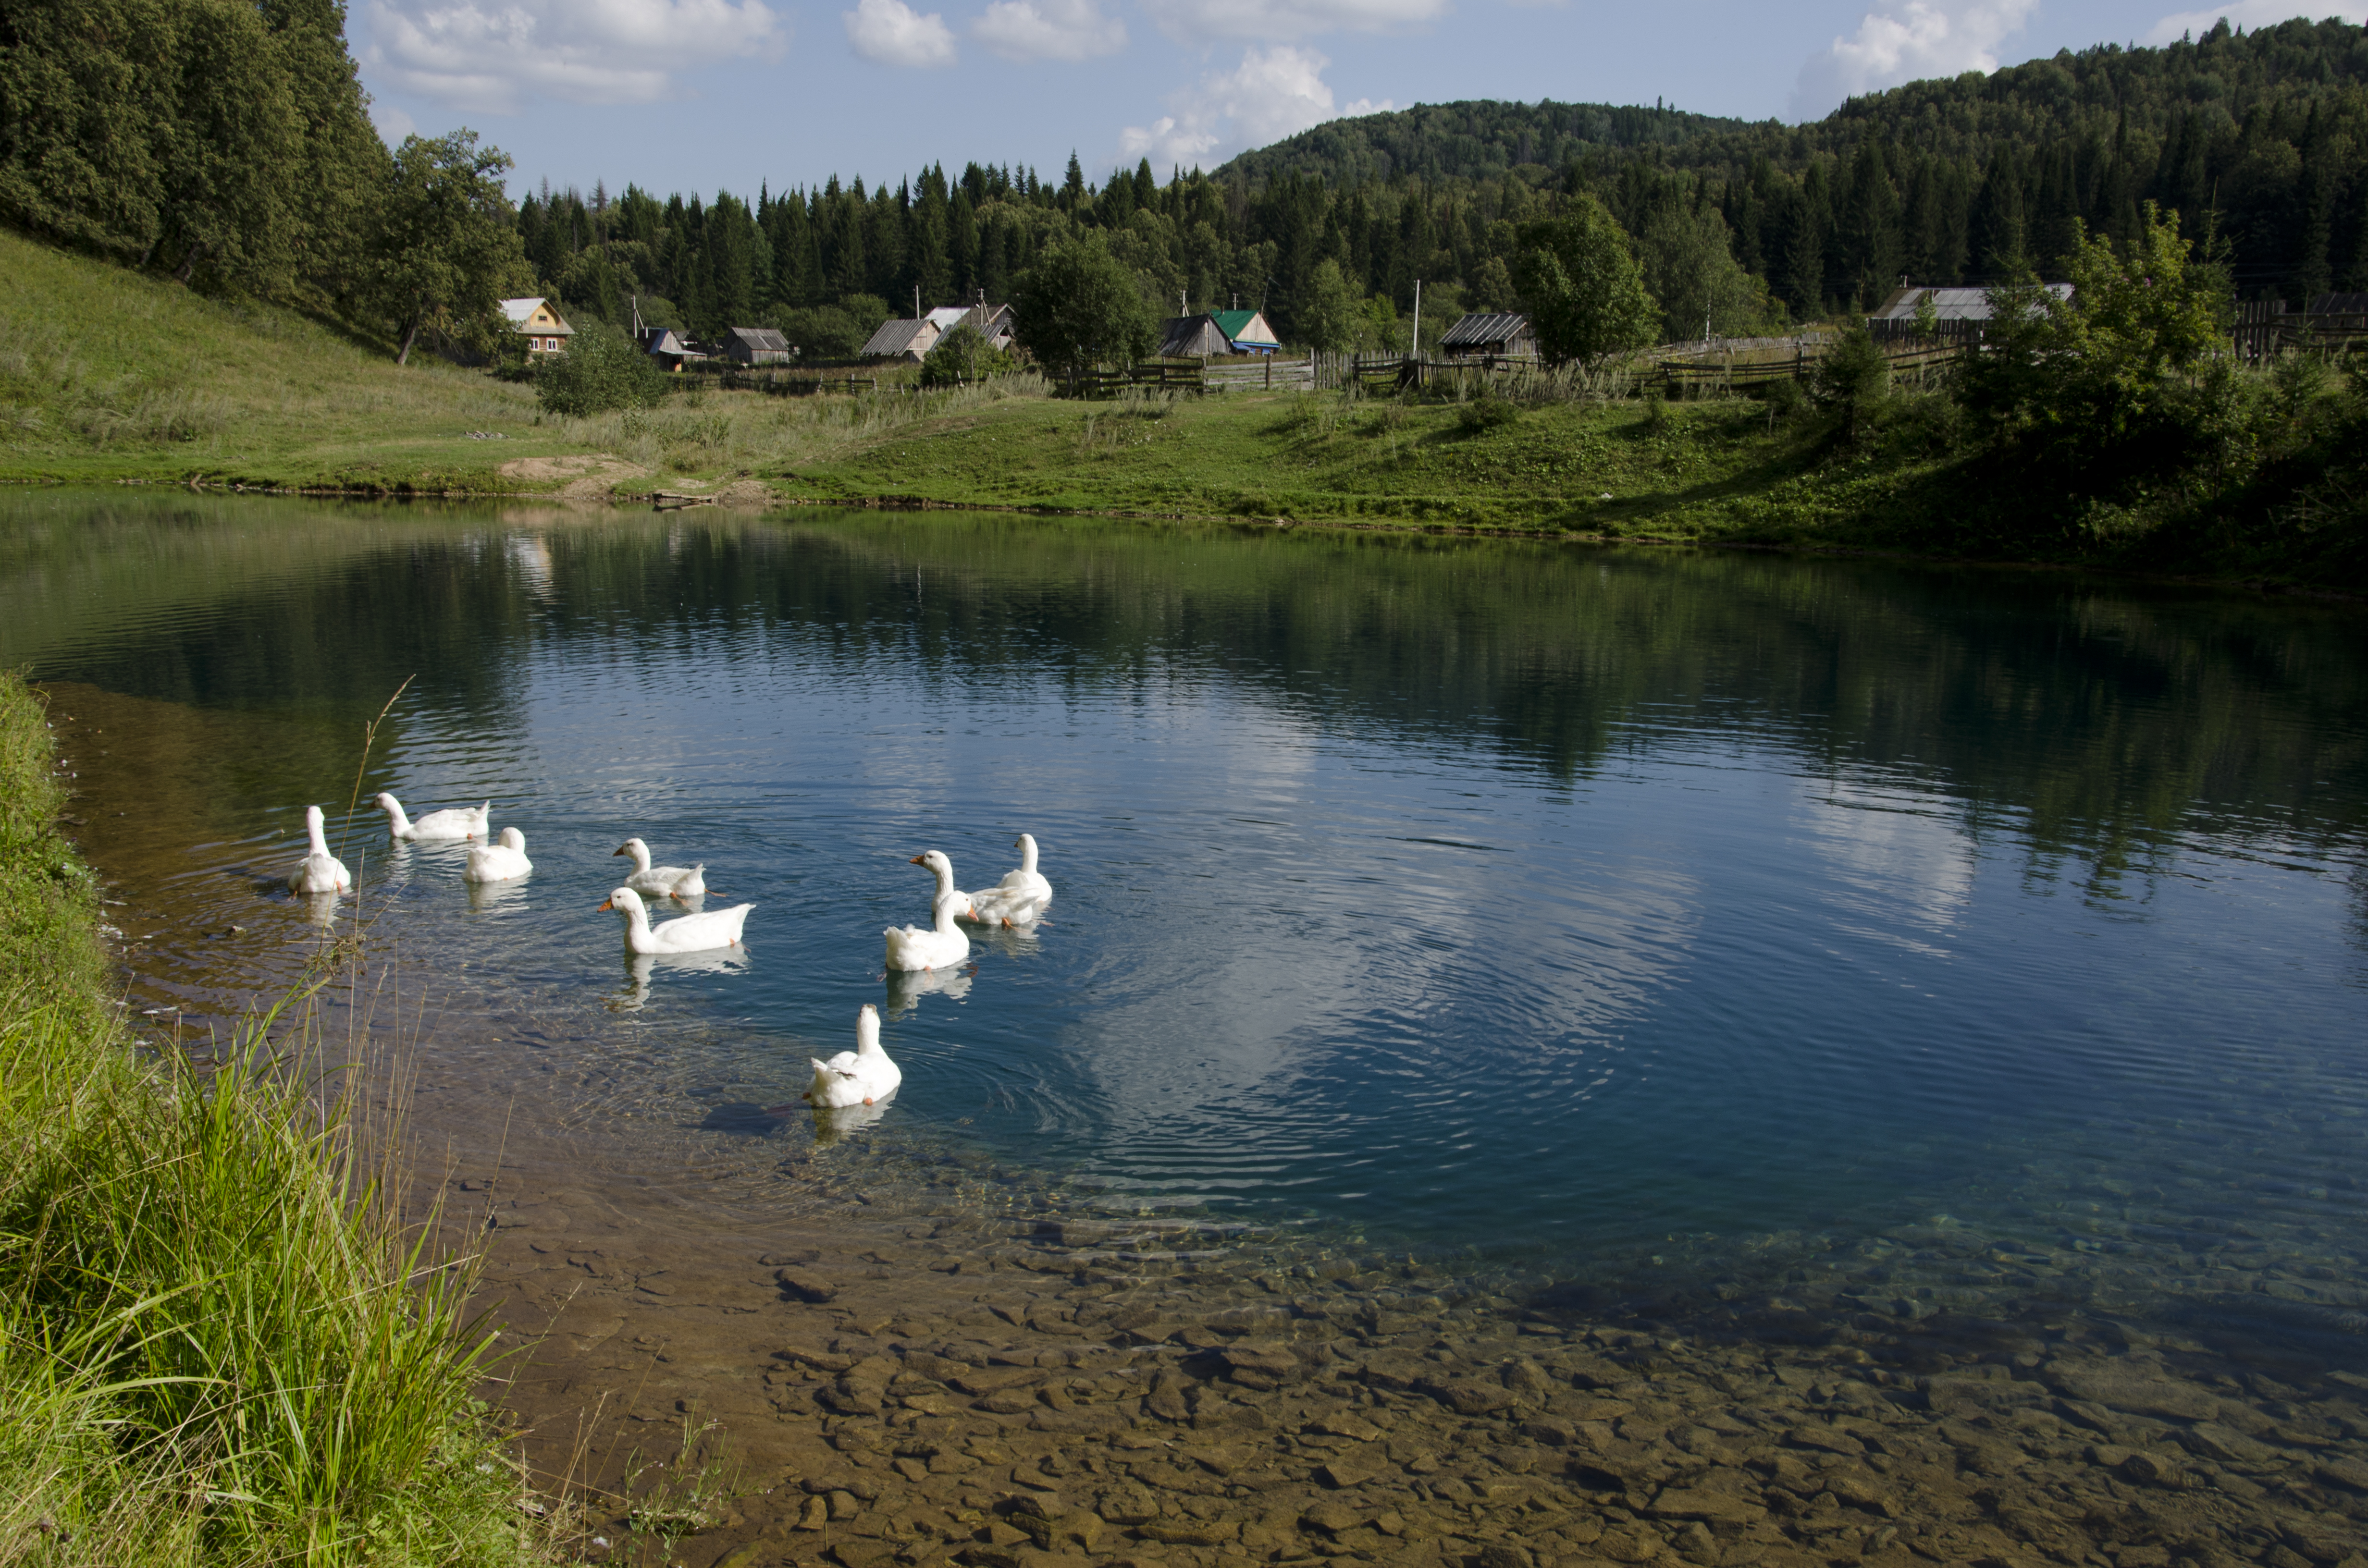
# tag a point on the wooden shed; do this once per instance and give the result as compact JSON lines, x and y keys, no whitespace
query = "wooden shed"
{"x":1193,"y":337}
{"x":902,"y":340}
{"x":755,"y":345}
{"x":668,"y":345}
{"x":1490,"y":334}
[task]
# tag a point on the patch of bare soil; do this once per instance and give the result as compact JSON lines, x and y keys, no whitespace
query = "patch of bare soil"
{"x":589,"y":477}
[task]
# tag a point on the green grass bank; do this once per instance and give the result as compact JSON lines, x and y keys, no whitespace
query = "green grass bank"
{"x":212,"y":1348}
{"x":110,"y":375}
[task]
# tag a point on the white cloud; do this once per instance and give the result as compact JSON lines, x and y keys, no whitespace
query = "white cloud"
{"x":1907,"y":41}
{"x":1049,"y":30}
{"x":2252,"y":13}
{"x":894,"y":34}
{"x":392,"y":123}
{"x":493,"y":55}
{"x":1274,"y":93}
{"x":1284,"y":19}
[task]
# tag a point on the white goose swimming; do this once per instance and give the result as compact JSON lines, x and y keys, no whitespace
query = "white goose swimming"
{"x":454,"y":822}
{"x":662,"y":882}
{"x":691,"y":934}
{"x":1020,"y":897}
{"x":500,"y":862}
{"x":862,"y":1076}
{"x":940,"y":945}
{"x":319,"y":871}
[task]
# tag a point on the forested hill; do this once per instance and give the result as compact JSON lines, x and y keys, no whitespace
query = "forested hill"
{"x":1477,"y":140}
{"x":2191,"y":92}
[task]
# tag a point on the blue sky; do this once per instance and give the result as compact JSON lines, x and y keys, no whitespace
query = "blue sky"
{"x":702,"y":95}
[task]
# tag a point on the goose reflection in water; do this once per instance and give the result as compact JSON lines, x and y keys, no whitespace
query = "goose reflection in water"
{"x":836,"y":1122}
{"x":906,"y":987}
{"x":640,"y":967}
{"x":488,"y":898}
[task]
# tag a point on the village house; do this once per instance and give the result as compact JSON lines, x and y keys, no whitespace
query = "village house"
{"x":908,"y":340}
{"x":539,"y":322}
{"x":1212,"y":334}
{"x":755,"y":345}
{"x":671,"y":347}
{"x":1958,"y":312}
{"x":1490,"y":334}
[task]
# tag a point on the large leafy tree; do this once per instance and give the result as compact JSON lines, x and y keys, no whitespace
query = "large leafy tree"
{"x":1329,"y":313}
{"x":446,"y":251}
{"x":2126,"y":369}
{"x":1586,"y":295}
{"x":1078,"y":307}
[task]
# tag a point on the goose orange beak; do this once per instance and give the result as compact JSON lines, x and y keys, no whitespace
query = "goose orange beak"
{"x":917,"y":861}
{"x":621,"y":849}
{"x":606,"y":904}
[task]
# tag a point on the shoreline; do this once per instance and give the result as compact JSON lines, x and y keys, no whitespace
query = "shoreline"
{"x":2260,"y":587}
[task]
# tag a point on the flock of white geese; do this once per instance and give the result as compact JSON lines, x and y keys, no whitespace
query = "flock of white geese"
{"x":862,"y":1076}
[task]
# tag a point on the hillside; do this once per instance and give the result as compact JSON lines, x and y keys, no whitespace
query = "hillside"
{"x":111,"y":373}
{"x":1477,"y":140}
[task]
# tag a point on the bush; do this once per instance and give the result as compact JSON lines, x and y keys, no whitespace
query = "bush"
{"x":962,"y":355}
{"x":601,"y":370}
{"x":1486,"y":412}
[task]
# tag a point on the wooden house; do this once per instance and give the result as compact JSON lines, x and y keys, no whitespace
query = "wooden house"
{"x":545,"y":330}
{"x":1958,"y":312}
{"x":994,"y":323}
{"x":1212,"y":333}
{"x":755,"y":345}
{"x":671,"y":347}
{"x":1490,"y":334}
{"x":908,"y":340}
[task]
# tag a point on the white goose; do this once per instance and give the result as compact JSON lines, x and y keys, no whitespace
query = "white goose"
{"x":500,"y":862}
{"x":662,"y":882}
{"x":455,"y":821}
{"x":862,"y":1076}
{"x":319,"y":871}
{"x":691,"y":934}
{"x":940,"y":945}
{"x":1020,"y":897}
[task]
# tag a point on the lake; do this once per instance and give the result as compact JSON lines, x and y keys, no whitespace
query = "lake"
{"x":1771,"y":949}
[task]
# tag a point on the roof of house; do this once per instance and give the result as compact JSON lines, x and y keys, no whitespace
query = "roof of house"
{"x":521,"y":310}
{"x":1246,"y":326}
{"x":945,"y":316}
{"x":901,"y":337}
{"x":1479,"y":328}
{"x":668,"y":340}
{"x":762,"y":339}
{"x":1191,"y":338}
{"x":2339,"y":304}
{"x":1948,"y":304}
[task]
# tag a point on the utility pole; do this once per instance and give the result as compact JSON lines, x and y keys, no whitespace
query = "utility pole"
{"x":1417,"y":320}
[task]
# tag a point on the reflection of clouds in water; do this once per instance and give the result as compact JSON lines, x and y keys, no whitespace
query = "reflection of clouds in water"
{"x":1243,"y":993}
{"x":1901,"y":871}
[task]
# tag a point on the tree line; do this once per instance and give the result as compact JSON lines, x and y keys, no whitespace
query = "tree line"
{"x":225,"y":143}
{"x":2259,"y":141}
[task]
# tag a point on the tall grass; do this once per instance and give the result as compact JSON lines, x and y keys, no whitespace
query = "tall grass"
{"x":222,"y":1341}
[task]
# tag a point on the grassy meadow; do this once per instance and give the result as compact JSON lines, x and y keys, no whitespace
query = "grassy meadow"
{"x":218,"y":1342}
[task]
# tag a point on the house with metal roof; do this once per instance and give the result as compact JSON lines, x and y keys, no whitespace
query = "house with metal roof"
{"x":1214,"y":333}
{"x":1491,"y":334}
{"x":1948,"y":304}
{"x":539,"y":321}
{"x":670,"y":346}
{"x":755,"y":345}
{"x":903,"y":339}
{"x":994,"y":323}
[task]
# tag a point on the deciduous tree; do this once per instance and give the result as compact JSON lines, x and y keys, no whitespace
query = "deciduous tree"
{"x":1586,"y":297}
{"x":446,"y":253}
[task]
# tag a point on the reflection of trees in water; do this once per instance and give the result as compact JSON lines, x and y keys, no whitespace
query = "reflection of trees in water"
{"x":2088,"y":724}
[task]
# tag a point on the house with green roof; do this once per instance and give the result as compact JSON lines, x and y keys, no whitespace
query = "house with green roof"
{"x":1213,"y":332}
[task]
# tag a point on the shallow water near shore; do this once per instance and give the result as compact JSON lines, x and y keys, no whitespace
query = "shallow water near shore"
{"x":1488,"y":984}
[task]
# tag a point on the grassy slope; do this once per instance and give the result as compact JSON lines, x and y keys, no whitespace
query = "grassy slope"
{"x":107,"y":374}
{"x":210,"y":1349}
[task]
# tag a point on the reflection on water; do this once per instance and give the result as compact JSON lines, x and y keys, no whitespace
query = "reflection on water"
{"x":1652,"y":922}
